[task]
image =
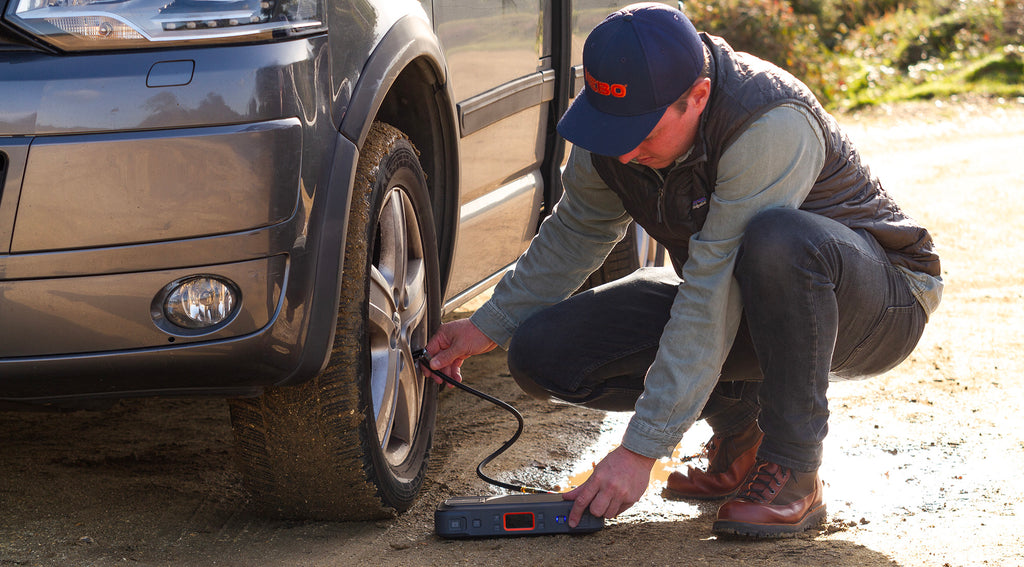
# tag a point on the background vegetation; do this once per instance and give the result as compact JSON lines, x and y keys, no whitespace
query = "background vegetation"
{"x":854,"y":53}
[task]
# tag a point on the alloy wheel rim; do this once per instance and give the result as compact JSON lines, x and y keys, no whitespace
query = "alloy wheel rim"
{"x":397,"y":320}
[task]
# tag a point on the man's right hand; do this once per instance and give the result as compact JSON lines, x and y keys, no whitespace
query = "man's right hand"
{"x":453,"y":343}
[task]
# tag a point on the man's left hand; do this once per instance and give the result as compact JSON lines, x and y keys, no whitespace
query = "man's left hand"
{"x":618,"y":481}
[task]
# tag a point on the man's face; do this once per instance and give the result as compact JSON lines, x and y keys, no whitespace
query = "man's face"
{"x":674,"y":134}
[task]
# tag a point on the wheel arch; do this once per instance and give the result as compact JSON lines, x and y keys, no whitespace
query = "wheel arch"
{"x":404,"y":83}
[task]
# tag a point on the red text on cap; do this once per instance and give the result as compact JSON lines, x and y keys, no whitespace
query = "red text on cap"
{"x":603,"y":88}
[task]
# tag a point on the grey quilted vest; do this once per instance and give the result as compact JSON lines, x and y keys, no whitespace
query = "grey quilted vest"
{"x":671,"y":207}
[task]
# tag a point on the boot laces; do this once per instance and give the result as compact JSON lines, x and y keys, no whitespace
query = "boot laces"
{"x":710,"y":449}
{"x":707,"y":452}
{"x":764,"y":482}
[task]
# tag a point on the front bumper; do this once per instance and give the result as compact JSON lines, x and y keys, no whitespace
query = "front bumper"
{"x":96,"y":219}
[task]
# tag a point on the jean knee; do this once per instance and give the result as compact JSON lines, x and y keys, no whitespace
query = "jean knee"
{"x":773,"y":240}
{"x":525,"y":361}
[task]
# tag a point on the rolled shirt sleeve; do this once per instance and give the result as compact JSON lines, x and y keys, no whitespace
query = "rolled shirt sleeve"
{"x":774,"y":163}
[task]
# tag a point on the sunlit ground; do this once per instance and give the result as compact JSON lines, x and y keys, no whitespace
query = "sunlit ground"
{"x":891,"y":483}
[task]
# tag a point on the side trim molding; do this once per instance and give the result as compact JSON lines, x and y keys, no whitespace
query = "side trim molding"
{"x":480,"y":111}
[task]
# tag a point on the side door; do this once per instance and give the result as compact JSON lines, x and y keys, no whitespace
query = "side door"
{"x":501,"y":71}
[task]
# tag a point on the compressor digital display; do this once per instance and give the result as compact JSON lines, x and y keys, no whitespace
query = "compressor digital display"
{"x":519,"y":521}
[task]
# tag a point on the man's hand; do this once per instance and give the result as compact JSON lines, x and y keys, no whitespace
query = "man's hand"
{"x":453,"y":343}
{"x":618,"y":481}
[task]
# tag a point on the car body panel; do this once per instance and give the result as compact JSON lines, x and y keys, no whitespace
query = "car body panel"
{"x":292,"y":347}
{"x":124,"y":171}
{"x":156,"y":186}
{"x":248,"y":141}
{"x":108,"y":92}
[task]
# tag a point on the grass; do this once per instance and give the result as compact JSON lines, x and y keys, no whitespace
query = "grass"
{"x":999,"y":74}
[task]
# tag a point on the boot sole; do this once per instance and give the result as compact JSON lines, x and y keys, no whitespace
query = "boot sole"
{"x":769,"y":531}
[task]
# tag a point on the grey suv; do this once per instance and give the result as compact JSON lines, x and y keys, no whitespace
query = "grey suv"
{"x":271,"y":201}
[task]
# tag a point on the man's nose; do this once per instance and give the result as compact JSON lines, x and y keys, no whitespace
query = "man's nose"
{"x":626,"y":158}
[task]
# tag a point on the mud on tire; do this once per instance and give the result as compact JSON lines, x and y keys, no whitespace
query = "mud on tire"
{"x":353,"y":442}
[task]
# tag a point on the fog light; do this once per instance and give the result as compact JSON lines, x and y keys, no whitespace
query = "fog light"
{"x":200,"y":302}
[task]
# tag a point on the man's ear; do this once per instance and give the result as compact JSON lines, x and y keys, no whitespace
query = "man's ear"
{"x":700,"y":93}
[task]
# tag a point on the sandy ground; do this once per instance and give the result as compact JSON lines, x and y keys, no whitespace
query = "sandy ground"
{"x":922,"y":465}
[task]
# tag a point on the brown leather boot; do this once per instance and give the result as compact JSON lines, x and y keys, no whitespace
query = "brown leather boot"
{"x":773,"y":502}
{"x":729,"y":461}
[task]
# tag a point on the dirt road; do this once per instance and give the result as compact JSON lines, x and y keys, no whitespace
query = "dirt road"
{"x":922,"y":465}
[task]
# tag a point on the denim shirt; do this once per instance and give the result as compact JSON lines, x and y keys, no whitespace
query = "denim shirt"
{"x":774,"y":163}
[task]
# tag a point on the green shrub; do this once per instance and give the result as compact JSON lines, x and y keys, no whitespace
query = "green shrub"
{"x":852,"y":53}
{"x":964,"y":30}
{"x":919,"y":50}
{"x":771,"y":30}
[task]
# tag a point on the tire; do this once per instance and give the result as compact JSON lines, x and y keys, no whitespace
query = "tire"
{"x":353,"y":442}
{"x":636,"y":250}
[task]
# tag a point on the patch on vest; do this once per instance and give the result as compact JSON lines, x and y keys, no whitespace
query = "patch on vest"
{"x":698,"y":203}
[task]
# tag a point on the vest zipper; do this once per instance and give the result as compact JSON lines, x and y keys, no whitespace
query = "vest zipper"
{"x":661,"y":196}
{"x":661,"y":204}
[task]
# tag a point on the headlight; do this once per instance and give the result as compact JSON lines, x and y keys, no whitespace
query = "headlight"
{"x":121,"y":24}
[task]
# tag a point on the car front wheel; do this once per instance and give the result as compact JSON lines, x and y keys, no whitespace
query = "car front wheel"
{"x":353,"y":442}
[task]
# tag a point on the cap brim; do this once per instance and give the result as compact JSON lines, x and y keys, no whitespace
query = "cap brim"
{"x":605,"y":134}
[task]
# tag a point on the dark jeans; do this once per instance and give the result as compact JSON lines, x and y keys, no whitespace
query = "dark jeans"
{"x":819,"y":299}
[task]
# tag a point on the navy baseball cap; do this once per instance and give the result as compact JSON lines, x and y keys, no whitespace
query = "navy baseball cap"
{"x":636,"y":63}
